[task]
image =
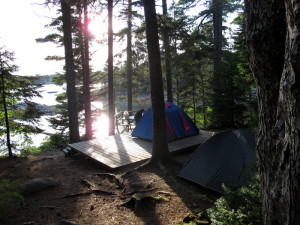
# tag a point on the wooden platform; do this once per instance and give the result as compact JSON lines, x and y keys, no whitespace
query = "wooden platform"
{"x":122,"y":149}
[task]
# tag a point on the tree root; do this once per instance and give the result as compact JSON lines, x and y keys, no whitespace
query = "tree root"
{"x":138,"y":202}
{"x":144,"y":165}
{"x":98,"y":192}
{"x":117,"y":179}
{"x":86,"y":183}
{"x":162,"y":165}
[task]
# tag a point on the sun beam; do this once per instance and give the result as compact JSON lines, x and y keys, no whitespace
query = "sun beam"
{"x":101,"y":126}
{"x":97,"y":27}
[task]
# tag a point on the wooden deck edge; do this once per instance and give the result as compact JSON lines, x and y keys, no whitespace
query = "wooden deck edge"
{"x":119,"y":159}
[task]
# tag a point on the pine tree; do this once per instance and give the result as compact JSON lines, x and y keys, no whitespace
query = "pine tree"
{"x":19,"y":115}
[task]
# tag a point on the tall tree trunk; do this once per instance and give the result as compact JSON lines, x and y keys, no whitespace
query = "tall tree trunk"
{"x":8,"y":144}
{"x":129,"y":57}
{"x":166,"y":40}
{"x":111,"y":98}
{"x":160,"y":151}
{"x":70,"y":74}
{"x":83,"y":31}
{"x":86,"y":77}
{"x":218,"y":79}
{"x":217,"y":26}
{"x":274,"y":43}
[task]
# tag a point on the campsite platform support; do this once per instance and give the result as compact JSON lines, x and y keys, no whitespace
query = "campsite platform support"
{"x":122,"y":149}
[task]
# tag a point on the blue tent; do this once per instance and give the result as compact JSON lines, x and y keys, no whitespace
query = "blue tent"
{"x":178,"y":123}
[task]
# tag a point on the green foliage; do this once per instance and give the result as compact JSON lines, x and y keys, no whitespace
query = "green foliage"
{"x":222,"y":99}
{"x":54,"y":141}
{"x":7,"y":185}
{"x":9,"y":198}
{"x":15,"y":97}
{"x":239,"y":207}
{"x":30,"y":150}
{"x":49,"y":143}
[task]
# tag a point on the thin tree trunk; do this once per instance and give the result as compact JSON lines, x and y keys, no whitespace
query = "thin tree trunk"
{"x":8,"y":144}
{"x":111,"y":99}
{"x":193,"y":99}
{"x":166,"y":41}
{"x":160,"y":151}
{"x":129,"y":57}
{"x":203,"y":101}
{"x":86,"y":77}
{"x":70,"y":74}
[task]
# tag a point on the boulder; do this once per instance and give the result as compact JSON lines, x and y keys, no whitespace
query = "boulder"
{"x":36,"y":185}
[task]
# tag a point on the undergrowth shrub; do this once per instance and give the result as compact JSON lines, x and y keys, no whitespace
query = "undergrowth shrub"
{"x":54,"y":141}
{"x":30,"y":150}
{"x":9,"y":197}
{"x":238,"y":207}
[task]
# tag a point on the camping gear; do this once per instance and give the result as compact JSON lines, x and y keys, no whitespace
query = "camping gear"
{"x":225,"y":158}
{"x":178,"y":123}
{"x":139,"y":115}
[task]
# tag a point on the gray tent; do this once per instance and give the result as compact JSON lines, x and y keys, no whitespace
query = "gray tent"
{"x":226,"y":158}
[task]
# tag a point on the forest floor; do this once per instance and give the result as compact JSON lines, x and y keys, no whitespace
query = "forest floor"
{"x":89,"y":193}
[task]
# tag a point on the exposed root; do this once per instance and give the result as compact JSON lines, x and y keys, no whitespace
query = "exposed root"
{"x":117,"y":179}
{"x":144,"y":165}
{"x":86,"y":183}
{"x":161,"y":163}
{"x":99,"y":192}
{"x":139,"y":203}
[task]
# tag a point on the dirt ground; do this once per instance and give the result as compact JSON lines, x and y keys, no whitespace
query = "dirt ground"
{"x":89,"y":193}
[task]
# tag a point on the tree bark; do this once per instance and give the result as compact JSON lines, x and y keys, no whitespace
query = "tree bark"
{"x":218,"y":78}
{"x":70,"y":74}
{"x":160,"y":151}
{"x":129,"y":57}
{"x":274,"y":46}
{"x":203,"y":97}
{"x":111,"y":97}
{"x":217,"y":26}
{"x":166,"y":40}
{"x":86,"y":77}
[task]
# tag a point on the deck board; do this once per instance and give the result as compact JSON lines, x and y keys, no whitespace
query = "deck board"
{"x":122,"y":149}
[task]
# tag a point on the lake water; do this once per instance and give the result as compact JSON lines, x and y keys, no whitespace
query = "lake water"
{"x":48,"y":101}
{"x":49,"y":93}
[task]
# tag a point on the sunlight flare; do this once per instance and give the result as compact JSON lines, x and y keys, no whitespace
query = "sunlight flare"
{"x":101,"y":126}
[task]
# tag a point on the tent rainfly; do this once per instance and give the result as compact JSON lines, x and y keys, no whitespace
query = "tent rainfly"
{"x":178,"y":123}
{"x":225,"y":158}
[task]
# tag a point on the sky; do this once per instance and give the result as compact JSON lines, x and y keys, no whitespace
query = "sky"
{"x":23,"y":21}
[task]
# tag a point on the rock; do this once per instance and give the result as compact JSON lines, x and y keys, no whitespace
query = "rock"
{"x":36,"y":185}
